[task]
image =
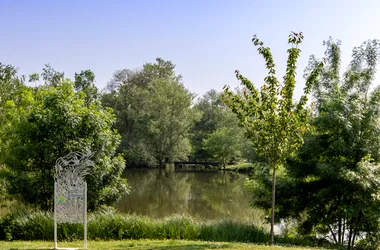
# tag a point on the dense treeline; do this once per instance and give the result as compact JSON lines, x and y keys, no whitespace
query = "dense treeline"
{"x":159,"y":120}
{"x":325,"y":152}
{"x":145,"y":117}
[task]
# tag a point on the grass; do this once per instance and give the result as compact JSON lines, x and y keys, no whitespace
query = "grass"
{"x":38,"y":225}
{"x":142,"y":245}
{"x":29,"y":225}
{"x":242,"y":167}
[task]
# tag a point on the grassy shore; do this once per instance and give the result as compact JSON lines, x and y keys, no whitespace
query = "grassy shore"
{"x":241,"y":167}
{"x":142,"y":245}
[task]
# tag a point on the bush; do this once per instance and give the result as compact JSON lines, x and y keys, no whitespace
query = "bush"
{"x":371,"y":242}
{"x":48,"y":123}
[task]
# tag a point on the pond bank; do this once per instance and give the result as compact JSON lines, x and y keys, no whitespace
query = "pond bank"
{"x":241,"y":167}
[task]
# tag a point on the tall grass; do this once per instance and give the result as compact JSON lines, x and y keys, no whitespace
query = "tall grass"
{"x":37,"y":225}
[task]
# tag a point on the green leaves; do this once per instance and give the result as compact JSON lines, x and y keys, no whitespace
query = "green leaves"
{"x":170,"y":119}
{"x":51,"y":76}
{"x":332,"y":176}
{"x":47,"y":123}
{"x":270,"y":119}
{"x":154,"y":114}
{"x":84,"y":81}
{"x":225,"y":143}
{"x":269,"y":116}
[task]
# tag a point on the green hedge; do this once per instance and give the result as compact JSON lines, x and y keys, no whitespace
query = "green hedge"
{"x":27,"y":225}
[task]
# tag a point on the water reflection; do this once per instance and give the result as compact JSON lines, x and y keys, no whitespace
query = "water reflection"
{"x":203,"y":195}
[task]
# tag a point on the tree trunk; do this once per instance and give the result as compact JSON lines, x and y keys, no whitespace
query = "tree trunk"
{"x":340,"y":231}
{"x":344,"y":230}
{"x":353,"y":240}
{"x":349,"y":238}
{"x":333,"y":234}
{"x":273,"y":203}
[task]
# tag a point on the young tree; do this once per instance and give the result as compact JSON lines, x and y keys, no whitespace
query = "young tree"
{"x":48,"y":123}
{"x":335,"y":176}
{"x":271,"y":120}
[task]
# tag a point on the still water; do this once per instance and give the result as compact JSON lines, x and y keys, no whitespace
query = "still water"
{"x":203,"y":195}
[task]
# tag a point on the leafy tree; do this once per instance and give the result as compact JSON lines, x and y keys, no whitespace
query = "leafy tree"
{"x":84,"y":81}
{"x":48,"y":123}
{"x":335,"y":177}
{"x":50,"y":76}
{"x":10,"y":83}
{"x":34,"y":77}
{"x":271,"y":120}
{"x":153,"y":112}
{"x":127,"y":95}
{"x":216,"y":136}
{"x":211,"y":109}
{"x":217,"y":116}
{"x":223,"y":145}
{"x":170,"y":120}
{"x":161,"y":69}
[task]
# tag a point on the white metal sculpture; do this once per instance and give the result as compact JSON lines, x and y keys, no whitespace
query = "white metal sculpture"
{"x":70,"y":190}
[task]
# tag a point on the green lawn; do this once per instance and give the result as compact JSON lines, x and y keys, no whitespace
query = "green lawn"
{"x":140,"y":244}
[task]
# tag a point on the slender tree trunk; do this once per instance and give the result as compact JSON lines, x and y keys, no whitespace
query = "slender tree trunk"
{"x":332,"y":232}
{"x":340,"y":231}
{"x":344,"y":230}
{"x":353,"y":240}
{"x":273,"y":203}
{"x":349,"y":238}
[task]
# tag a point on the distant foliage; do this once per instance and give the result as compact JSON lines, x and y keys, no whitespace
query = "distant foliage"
{"x":154,"y":113}
{"x":216,"y":136}
{"x":10,"y":84}
{"x":85,"y":82}
{"x":50,"y":76}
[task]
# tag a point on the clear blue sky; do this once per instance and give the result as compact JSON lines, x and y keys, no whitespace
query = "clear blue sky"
{"x":206,"y":39}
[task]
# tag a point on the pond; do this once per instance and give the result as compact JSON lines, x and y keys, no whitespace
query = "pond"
{"x":202,"y":195}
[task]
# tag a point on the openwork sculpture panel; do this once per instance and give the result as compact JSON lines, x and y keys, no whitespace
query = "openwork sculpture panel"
{"x":70,"y":187}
